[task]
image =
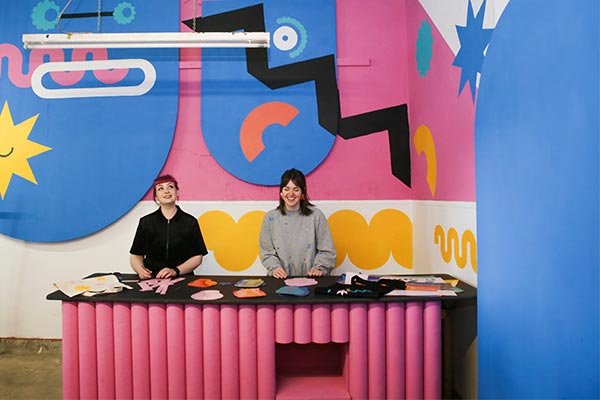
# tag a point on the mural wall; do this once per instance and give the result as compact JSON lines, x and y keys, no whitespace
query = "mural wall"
{"x":379,"y":114}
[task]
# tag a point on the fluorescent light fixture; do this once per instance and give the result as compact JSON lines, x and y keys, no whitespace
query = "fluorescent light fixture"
{"x":146,"y":40}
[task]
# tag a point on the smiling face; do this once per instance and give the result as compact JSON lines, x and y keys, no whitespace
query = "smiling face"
{"x":291,"y":195}
{"x":165,"y":193}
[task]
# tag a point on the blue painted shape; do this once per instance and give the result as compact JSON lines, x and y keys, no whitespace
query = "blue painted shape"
{"x":473,"y":41}
{"x":537,"y":147}
{"x":106,"y":151}
{"x":229,"y":94}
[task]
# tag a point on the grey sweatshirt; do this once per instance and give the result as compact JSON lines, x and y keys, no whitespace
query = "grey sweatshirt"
{"x":296,"y":242}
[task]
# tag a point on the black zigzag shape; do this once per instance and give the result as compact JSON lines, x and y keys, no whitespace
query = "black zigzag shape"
{"x":322,"y":71}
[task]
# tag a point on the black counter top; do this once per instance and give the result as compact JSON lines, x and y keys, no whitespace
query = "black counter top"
{"x":181,"y":292}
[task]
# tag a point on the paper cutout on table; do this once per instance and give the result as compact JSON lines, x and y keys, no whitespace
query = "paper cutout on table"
{"x":451,"y":282}
{"x":102,"y":284}
{"x":300,"y":282}
{"x":250,"y":283}
{"x":202,"y":283}
{"x":422,"y":286}
{"x":428,"y":293}
{"x":208,"y":295}
{"x":247,"y":293}
{"x":161,"y":285}
{"x":299,"y":291}
{"x":346,"y":278}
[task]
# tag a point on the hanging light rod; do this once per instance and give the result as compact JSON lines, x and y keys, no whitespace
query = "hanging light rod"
{"x":147,"y":40}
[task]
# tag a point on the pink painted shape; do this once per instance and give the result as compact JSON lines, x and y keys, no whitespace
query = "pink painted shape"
{"x":157,"y":322}
{"x":434,"y":101}
{"x":362,"y":89}
{"x":123,"y":351}
{"x":265,"y":335}
{"x":358,"y":352}
{"x":106,"y":350}
{"x":230,"y":352}
{"x":88,"y":372}
{"x":321,"y":323}
{"x":248,"y":352}
{"x":140,"y":347}
{"x":432,"y":340}
{"x":414,"y":350}
{"x":284,"y":323}
{"x":339,"y":323}
{"x":194,"y":352}
{"x":302,"y":324}
{"x":376,"y":350}
{"x":212,"y":351}
{"x":394,"y":344}
{"x":70,"y":350}
{"x":176,"y":350}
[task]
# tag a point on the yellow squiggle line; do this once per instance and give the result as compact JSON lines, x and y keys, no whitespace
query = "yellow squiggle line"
{"x":450,"y":247}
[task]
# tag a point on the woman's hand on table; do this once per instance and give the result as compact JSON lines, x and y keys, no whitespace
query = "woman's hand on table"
{"x":315,"y":272}
{"x":279,"y":273}
{"x":166,"y":273}
{"x":143,"y":272}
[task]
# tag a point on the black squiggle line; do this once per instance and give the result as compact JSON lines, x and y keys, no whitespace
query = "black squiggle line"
{"x":9,"y":153}
{"x":322,"y":70}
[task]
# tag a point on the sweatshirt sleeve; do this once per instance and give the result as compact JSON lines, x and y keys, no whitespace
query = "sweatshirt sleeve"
{"x":268,"y":254}
{"x":325,"y":257}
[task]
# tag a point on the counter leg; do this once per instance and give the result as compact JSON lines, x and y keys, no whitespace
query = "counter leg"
{"x":140,"y":348}
{"x":194,"y":354}
{"x":432,"y":369}
{"x":265,"y":333}
{"x":248,"y":352}
{"x":414,"y":350}
{"x":176,"y":351}
{"x":70,"y":350}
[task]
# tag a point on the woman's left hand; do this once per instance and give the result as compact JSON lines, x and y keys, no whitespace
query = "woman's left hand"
{"x":166,"y":273}
{"x":315,"y":272}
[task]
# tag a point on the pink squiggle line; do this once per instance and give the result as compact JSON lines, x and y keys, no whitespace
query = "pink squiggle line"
{"x":20,"y":79}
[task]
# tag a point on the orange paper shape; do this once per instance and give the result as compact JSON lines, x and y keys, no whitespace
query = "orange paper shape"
{"x":202,"y":283}
{"x":247,"y":293}
{"x":431,"y":288}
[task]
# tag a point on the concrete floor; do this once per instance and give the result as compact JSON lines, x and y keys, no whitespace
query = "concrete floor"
{"x":30,"y":369}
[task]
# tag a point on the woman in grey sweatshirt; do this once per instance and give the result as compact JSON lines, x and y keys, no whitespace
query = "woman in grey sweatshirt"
{"x":295,"y":239}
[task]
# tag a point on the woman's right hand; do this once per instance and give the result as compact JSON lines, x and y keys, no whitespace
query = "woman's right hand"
{"x":143,"y":272}
{"x":280,"y":273}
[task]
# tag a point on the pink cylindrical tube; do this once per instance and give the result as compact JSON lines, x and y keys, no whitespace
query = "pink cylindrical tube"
{"x":194,"y":380}
{"x":414,"y":350}
{"x":248,"y":352}
{"x":157,"y":322}
{"x":284,"y":323}
{"x":70,"y":350}
{"x":176,"y":350}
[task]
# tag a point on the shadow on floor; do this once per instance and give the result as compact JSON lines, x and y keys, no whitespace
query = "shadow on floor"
{"x":30,"y":369}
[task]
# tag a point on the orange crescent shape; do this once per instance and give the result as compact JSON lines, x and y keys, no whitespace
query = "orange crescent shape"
{"x":257,"y":120}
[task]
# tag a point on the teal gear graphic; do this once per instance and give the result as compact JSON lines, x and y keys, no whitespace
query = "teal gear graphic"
{"x":301,"y":29}
{"x":424,"y":48}
{"x":40,"y":12}
{"x":120,"y":13}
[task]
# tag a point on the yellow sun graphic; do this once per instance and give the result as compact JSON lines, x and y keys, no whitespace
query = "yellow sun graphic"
{"x":15,"y":149}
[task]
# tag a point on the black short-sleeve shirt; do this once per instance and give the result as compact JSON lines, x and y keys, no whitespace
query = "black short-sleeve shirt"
{"x":167,"y":243}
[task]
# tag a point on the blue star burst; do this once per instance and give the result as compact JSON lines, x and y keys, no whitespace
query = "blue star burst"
{"x":473,"y":41}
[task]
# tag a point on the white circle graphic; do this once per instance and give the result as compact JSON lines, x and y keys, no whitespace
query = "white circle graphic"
{"x":285,"y":38}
